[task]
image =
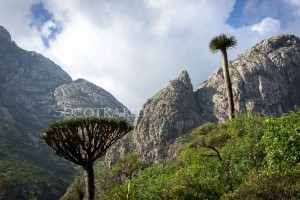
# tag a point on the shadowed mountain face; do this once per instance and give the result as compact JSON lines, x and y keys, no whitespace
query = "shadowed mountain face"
{"x":27,"y":82}
{"x":34,"y":92}
{"x":265,"y":79}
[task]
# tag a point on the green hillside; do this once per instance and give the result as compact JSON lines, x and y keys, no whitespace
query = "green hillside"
{"x":25,"y":173}
{"x":250,"y":157}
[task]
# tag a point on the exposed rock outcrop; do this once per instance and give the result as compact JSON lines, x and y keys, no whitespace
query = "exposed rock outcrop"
{"x":27,"y":82}
{"x":265,"y":79}
{"x":83,"y":98}
{"x":169,"y":114}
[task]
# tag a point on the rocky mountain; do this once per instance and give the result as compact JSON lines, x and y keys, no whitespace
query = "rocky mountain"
{"x":83,"y":98}
{"x":27,"y":80}
{"x":265,"y":79}
{"x":34,"y":92}
{"x":170,"y":113}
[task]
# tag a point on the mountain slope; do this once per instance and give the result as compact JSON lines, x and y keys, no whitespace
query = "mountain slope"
{"x":33,"y":91}
{"x":265,"y":79}
{"x":170,"y":113}
{"x":83,"y":98}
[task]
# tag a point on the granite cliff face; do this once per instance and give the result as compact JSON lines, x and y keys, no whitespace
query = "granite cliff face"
{"x":169,"y":114}
{"x":265,"y":79}
{"x":34,"y":92}
{"x":83,"y":98}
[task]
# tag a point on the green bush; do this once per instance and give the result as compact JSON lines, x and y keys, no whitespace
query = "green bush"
{"x":249,"y":157}
{"x":282,"y":141}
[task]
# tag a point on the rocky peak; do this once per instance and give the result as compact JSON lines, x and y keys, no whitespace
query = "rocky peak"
{"x":276,"y":42}
{"x":265,"y":79}
{"x":184,"y":80}
{"x":89,"y":99}
{"x":81,"y":92}
{"x":167,"y":115}
{"x":4,"y":33}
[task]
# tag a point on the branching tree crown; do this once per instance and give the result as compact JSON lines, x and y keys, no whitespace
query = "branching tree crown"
{"x":83,"y":140}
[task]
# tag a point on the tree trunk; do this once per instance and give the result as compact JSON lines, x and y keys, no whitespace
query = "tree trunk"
{"x":89,"y":182}
{"x":228,"y":84}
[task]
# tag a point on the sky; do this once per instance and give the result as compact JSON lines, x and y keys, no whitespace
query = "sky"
{"x":133,"y":48}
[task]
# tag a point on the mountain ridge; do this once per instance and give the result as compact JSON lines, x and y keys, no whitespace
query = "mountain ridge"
{"x":265,"y":79}
{"x":33,"y":91}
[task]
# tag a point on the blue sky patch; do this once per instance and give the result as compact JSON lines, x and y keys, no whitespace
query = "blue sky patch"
{"x":249,"y":12}
{"x":40,"y":18}
{"x":40,"y":13}
{"x":235,"y":15}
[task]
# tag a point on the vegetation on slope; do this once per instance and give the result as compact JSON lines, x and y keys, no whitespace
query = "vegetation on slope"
{"x":26,"y":174}
{"x":249,"y":157}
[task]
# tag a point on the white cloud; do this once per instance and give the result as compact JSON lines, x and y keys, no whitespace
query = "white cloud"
{"x":48,"y":28}
{"x":133,"y":50}
{"x":267,"y":26}
{"x":296,"y":4}
{"x":15,"y":17}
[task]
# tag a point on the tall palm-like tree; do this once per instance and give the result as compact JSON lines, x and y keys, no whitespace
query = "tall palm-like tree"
{"x":221,"y":43}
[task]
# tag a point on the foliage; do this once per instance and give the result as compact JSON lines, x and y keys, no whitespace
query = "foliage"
{"x":76,"y":190}
{"x":154,"y":182}
{"x":282,"y":140}
{"x":120,"y":192}
{"x":83,"y":140}
{"x":129,"y":165}
{"x":25,"y":173}
{"x":222,"y":42}
{"x":230,"y":160}
{"x":269,"y":185}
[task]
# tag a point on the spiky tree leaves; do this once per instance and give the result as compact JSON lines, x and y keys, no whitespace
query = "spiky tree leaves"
{"x":84,"y":140}
{"x":221,"y":43}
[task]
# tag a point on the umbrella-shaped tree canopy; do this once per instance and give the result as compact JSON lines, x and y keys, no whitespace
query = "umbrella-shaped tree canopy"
{"x":83,"y":140}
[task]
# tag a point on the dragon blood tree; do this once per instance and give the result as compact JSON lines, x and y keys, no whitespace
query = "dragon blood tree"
{"x":83,"y":140}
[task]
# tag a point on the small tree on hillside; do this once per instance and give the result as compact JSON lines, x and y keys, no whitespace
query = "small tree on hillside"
{"x":84,"y":140}
{"x":129,"y":165}
{"x":221,"y":43}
